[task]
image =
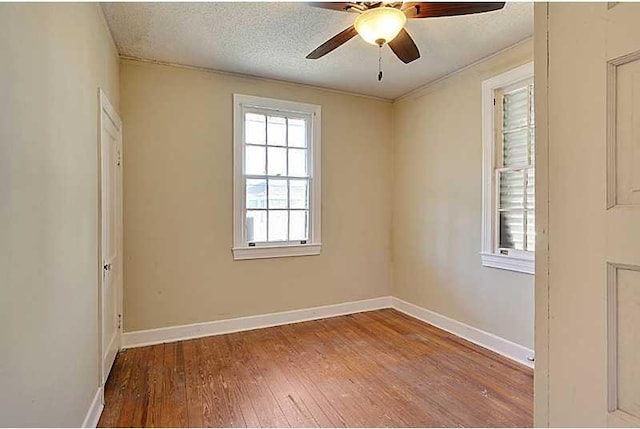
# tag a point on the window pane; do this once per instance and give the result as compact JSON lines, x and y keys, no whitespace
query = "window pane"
{"x":276,"y":131}
{"x":297,"y":133}
{"x":298,"y":224}
{"x":278,"y":220}
{"x":512,"y":230}
{"x":256,"y":194}
{"x":278,"y":194}
{"x":298,"y":194}
{"x":254,"y":128}
{"x":277,"y":161}
{"x":254,"y":160}
{"x":531,"y":188}
{"x":515,"y":109}
{"x":531,"y":231}
{"x":298,"y":162}
{"x":511,"y":189}
{"x":514,"y":148}
{"x":256,"y":225}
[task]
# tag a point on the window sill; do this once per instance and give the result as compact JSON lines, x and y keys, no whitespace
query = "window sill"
{"x":263,"y":252}
{"x":511,"y":263}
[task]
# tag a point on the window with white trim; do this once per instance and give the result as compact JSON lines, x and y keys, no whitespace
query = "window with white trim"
{"x":508,"y":235}
{"x":276,"y":178}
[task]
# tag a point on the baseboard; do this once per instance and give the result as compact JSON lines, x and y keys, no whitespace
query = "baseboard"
{"x":477,"y":336}
{"x":218,"y":327}
{"x":95,"y":410}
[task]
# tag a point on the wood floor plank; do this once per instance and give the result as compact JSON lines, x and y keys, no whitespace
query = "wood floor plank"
{"x":156,"y":388}
{"x":215,"y":410}
{"x":303,"y":373}
{"x":335,"y":376}
{"x":143,"y":397}
{"x":365,"y":375}
{"x":484,"y":365}
{"x":433,"y":394}
{"x":292,"y":397}
{"x":135,"y":389}
{"x":239,"y":387}
{"x":398,"y":376}
{"x":174,"y":386}
{"x":115,"y":389}
{"x":268,"y":411}
{"x":226,"y":382}
{"x":195,"y":413}
{"x":339,"y":392}
{"x":286,"y":359}
{"x":373,"y":369}
{"x":475,"y":380}
{"x":389,"y":365}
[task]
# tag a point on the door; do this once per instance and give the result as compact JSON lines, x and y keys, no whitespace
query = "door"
{"x":593,"y":101}
{"x":111,"y":237}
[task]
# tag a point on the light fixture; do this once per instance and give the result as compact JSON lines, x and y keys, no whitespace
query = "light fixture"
{"x":380,"y":25}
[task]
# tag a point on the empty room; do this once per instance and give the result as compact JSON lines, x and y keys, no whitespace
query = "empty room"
{"x":292,"y":214}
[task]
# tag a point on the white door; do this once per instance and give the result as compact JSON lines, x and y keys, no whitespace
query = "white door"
{"x":111,"y":191}
{"x":594,"y":214}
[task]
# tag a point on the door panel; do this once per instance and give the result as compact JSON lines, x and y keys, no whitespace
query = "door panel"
{"x":626,"y":105}
{"x":623,"y":216}
{"x":628,"y":341}
{"x":593,"y":96}
{"x":111,"y":294}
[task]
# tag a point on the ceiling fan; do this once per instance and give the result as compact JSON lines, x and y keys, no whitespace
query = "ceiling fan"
{"x":381,"y":23}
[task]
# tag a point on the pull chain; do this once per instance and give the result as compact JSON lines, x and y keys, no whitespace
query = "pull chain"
{"x":379,"y":62}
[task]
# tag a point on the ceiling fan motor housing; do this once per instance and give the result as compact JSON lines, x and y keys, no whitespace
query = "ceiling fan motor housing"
{"x":380,"y":25}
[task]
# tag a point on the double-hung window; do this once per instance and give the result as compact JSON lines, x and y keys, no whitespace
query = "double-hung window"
{"x":508,"y":235}
{"x":276,"y":178}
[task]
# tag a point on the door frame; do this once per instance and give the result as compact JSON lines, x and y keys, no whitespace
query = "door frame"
{"x":541,"y":324}
{"x":106,"y":108}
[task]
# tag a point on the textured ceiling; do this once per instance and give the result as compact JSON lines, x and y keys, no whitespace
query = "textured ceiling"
{"x":272,"y":39}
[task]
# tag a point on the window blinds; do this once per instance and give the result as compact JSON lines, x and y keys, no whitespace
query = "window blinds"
{"x":515,"y":171}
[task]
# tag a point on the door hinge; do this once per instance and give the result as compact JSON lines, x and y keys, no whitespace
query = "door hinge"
{"x":119,"y":321}
{"x":119,"y":159}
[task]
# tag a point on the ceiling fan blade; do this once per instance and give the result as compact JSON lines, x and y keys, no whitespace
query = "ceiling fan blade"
{"x":404,"y":47}
{"x":339,"y":6}
{"x":333,"y":43}
{"x":435,"y":9}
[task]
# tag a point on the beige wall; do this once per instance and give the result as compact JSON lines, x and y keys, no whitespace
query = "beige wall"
{"x":58,"y":55}
{"x":437,"y":151}
{"x":178,"y":202}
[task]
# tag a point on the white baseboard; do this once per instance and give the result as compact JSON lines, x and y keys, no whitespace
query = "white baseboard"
{"x":218,"y":327}
{"x":477,"y":336}
{"x":95,"y":410}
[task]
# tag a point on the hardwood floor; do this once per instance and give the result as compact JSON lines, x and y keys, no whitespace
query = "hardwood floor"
{"x":380,"y":368}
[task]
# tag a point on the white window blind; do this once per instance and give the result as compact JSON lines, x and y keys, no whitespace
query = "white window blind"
{"x":515,"y":170}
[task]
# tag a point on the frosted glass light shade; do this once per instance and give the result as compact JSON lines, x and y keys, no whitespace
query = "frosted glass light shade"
{"x":380,"y":25}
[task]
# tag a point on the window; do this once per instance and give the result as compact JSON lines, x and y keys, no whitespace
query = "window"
{"x":508,"y":217}
{"x":276,"y":178}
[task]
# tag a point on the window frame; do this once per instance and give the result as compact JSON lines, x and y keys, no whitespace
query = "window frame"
{"x":241,"y":249}
{"x":517,"y":260}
